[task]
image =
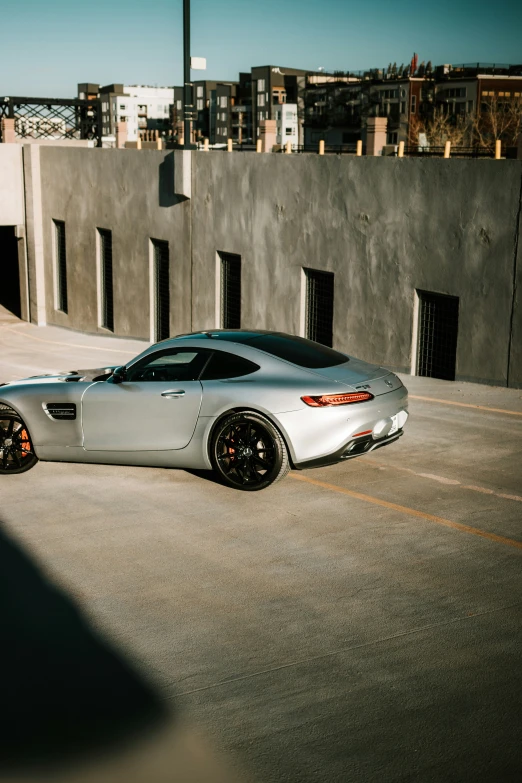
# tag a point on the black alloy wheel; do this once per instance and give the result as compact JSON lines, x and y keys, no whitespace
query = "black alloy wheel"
{"x":16,"y":449}
{"x":248,"y":452}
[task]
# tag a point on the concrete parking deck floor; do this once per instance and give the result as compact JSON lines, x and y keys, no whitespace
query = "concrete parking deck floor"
{"x":356,"y":623}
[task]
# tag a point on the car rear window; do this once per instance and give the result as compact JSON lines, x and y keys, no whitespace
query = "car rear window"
{"x":224,"y":365}
{"x":297,"y":350}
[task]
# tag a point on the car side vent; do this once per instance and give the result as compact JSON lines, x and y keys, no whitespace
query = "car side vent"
{"x":60,"y":411}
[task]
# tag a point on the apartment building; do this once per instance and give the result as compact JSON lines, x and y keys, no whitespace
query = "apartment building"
{"x":273,"y":85}
{"x":338,"y":105}
{"x":142,"y":107}
{"x":287,"y":124}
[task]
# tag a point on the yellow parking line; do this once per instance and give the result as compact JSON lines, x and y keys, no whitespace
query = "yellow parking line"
{"x":474,"y":531}
{"x":70,"y":345}
{"x":465,"y":405}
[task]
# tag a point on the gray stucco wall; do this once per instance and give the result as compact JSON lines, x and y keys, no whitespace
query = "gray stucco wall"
{"x":384,"y":226}
{"x":130,"y":192}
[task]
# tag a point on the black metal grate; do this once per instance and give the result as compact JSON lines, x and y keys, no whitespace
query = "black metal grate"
{"x":319,"y":306}
{"x":53,"y":118}
{"x":438,"y":329}
{"x":230,"y":291}
{"x":107,"y":300}
{"x":162,"y":290}
{"x":61,"y":266}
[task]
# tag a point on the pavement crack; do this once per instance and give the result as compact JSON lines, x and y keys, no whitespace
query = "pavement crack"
{"x":341,"y":651}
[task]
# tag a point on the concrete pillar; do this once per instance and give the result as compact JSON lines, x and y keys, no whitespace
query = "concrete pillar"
{"x":8,"y":131}
{"x":498,"y":149}
{"x":268,"y":134}
{"x":359,"y":148}
{"x":229,"y":145}
{"x":159,"y":143}
{"x":121,"y":134}
{"x":321,"y":147}
{"x":288,"y":148}
{"x":205,"y":145}
{"x":138,"y":142}
{"x":259,"y":146}
{"x":400,"y":151}
{"x":376,"y":135}
{"x":447,"y":149}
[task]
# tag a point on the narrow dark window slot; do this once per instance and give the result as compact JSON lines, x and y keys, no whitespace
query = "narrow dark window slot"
{"x":107,"y":299}
{"x":230,"y":290}
{"x":162,"y":290}
{"x":319,"y":306}
{"x":438,"y":332}
{"x":61,"y":266}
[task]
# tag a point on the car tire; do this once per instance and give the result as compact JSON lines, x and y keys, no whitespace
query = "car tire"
{"x":248,"y":452}
{"x":16,"y":448}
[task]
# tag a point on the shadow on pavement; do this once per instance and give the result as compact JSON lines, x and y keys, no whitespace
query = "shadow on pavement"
{"x":65,"y":692}
{"x":72,"y":709}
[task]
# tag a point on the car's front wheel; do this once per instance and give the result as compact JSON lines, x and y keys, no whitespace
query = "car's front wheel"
{"x":248,"y":452}
{"x":16,"y":449}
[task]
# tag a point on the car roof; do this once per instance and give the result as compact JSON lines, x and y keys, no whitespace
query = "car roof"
{"x":228,"y":334}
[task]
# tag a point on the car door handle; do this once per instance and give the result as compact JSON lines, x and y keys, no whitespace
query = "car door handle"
{"x":173,"y":393}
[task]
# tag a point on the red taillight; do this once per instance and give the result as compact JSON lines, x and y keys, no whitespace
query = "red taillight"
{"x":326,"y":400}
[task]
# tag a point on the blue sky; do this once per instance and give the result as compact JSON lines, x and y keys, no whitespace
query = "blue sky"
{"x":48,"y":46}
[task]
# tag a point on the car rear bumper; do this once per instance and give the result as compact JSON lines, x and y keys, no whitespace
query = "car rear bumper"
{"x":353,"y":448}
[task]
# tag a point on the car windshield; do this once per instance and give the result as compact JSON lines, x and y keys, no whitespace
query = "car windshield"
{"x":297,"y":350}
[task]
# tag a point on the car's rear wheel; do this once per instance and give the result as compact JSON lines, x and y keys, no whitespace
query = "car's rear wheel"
{"x":248,"y":452}
{"x":16,"y":449}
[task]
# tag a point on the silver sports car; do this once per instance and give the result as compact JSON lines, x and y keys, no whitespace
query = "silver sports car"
{"x":249,"y":404}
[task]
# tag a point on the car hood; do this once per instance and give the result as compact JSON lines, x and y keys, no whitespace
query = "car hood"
{"x":356,"y":373}
{"x":67,"y":376}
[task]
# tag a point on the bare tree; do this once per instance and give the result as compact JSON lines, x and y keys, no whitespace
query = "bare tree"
{"x":498,"y":118}
{"x":441,"y":127}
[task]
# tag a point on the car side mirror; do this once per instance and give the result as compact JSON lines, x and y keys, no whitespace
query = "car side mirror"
{"x":119,"y":375}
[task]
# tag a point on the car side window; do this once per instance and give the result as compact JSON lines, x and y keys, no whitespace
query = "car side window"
{"x":169,"y":365}
{"x":224,"y":365}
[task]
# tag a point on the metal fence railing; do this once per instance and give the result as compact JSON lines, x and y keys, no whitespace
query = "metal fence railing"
{"x":456,"y":152}
{"x":53,"y":118}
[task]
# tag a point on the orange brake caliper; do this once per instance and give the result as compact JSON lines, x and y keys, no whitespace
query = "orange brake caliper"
{"x":24,"y":438}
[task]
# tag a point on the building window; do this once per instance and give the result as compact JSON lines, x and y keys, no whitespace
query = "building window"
{"x":106,"y":310}
{"x":199,"y":104}
{"x":438,"y":330}
{"x":413,"y":104}
{"x":260,"y":85}
{"x":403,"y":107}
{"x":230,"y":290}
{"x":60,"y":266}
{"x":199,"y":91}
{"x":161,"y":289}
{"x":178,"y":105}
{"x":288,"y":131}
{"x":261,"y":100}
{"x":319,"y":306}
{"x":223,"y":101}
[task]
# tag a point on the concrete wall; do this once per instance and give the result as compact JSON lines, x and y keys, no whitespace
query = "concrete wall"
{"x":11,"y":185}
{"x":130,"y":192}
{"x":384,"y":226}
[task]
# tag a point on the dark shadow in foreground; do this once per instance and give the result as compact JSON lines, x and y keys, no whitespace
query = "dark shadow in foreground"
{"x":65,"y":693}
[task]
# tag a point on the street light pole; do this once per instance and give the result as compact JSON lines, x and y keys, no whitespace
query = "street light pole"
{"x":188,"y":107}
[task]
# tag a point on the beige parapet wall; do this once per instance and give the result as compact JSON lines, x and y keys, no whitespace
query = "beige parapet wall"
{"x":11,"y":185}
